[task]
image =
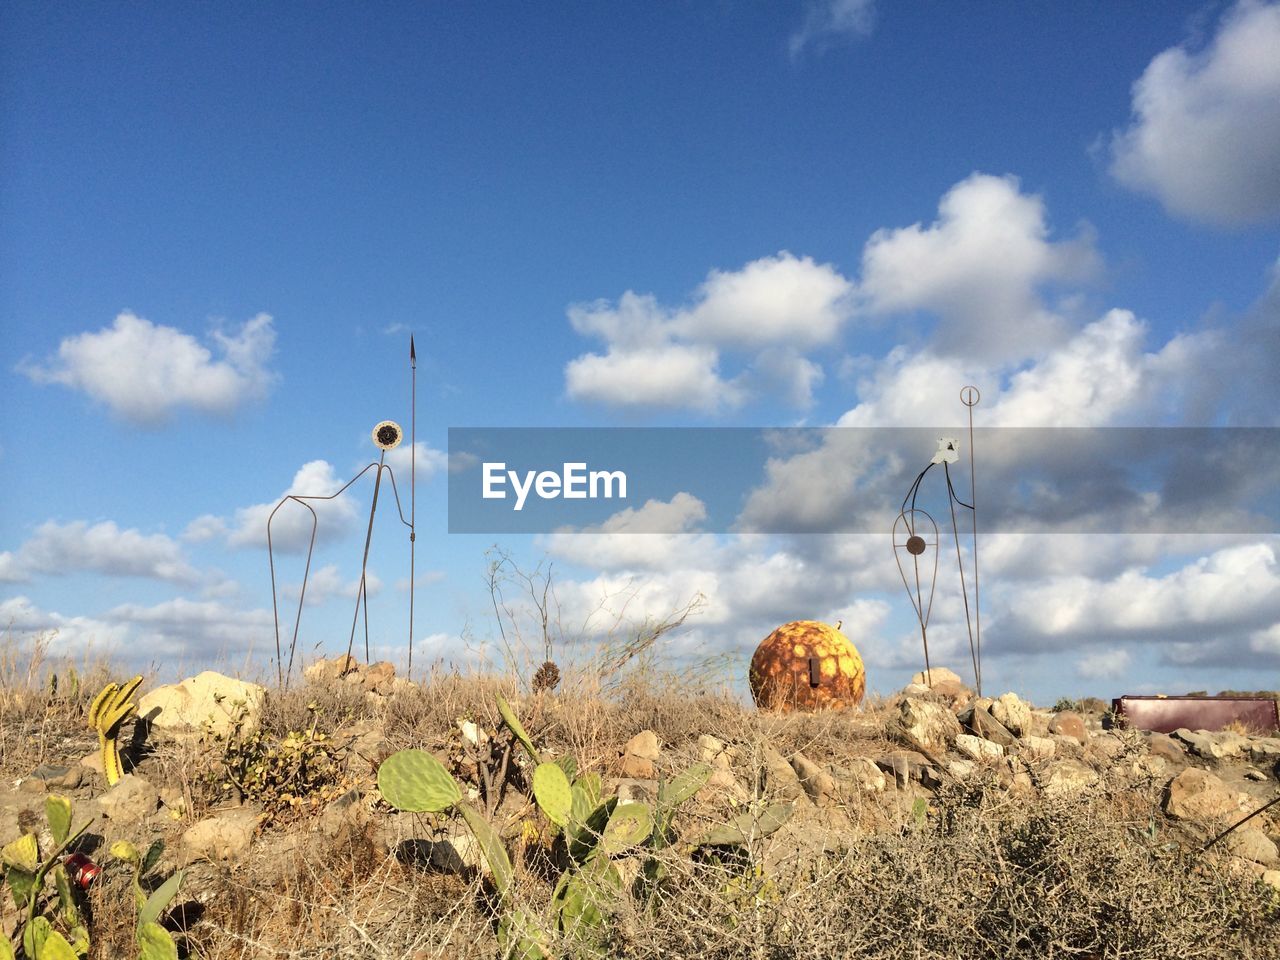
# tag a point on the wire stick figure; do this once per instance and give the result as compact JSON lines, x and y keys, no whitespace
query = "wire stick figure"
{"x":916,"y":545}
{"x":387,"y":436}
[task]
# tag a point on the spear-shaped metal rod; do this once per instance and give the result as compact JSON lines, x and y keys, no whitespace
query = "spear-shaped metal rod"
{"x":413,"y":485}
{"x":970,"y":397}
{"x":363,"y":595}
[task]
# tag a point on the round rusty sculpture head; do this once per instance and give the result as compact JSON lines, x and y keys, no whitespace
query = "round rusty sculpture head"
{"x":807,"y":665}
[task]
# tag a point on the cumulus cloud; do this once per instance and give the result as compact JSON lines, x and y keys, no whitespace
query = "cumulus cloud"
{"x":1103,"y":375}
{"x":291,"y":528}
{"x":61,"y":548}
{"x":979,"y":268}
{"x":671,"y":357}
{"x":1235,"y":589}
{"x":326,"y":583}
{"x":827,"y":22}
{"x":430,"y":462}
{"x":199,"y":631}
{"x":1205,"y":134}
{"x":74,"y":635}
{"x":1104,"y":664}
{"x":143,"y":372}
{"x":649,"y":537}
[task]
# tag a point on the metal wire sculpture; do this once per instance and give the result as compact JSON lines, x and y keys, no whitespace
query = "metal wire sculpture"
{"x":911,"y":521}
{"x":387,"y":435}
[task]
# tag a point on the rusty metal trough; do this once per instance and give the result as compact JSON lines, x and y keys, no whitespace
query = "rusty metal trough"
{"x":1166,"y":714}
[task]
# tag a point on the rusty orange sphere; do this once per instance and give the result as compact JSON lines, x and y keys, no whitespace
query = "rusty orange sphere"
{"x":807,"y":665}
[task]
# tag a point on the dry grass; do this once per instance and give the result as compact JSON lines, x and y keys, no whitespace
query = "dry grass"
{"x":981,"y":874}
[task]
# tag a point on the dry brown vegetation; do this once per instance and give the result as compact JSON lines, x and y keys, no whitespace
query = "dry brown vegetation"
{"x":977,"y":871}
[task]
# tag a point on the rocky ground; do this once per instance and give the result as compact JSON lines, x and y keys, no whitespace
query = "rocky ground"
{"x":300,"y":857}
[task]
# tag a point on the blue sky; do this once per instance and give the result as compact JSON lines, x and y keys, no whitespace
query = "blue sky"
{"x":219,"y":224}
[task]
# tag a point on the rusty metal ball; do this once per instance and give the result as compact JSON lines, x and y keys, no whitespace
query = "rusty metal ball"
{"x":915,"y":545}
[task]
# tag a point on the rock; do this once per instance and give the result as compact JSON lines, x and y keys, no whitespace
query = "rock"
{"x":1013,"y":712}
{"x":56,"y":776}
{"x":343,"y":815}
{"x":209,"y":696}
{"x":639,"y":755}
{"x":817,"y":783}
{"x":377,"y":673}
{"x":709,"y":748}
{"x":1068,"y":723}
{"x":634,"y":790}
{"x":979,"y":720}
{"x":1213,"y":744}
{"x":130,"y":801}
{"x":1038,"y":748}
{"x":644,"y":745}
{"x":1163,"y":745}
{"x":1198,"y":795}
{"x":1271,"y":878}
{"x":1253,"y":844}
{"x":1104,"y":748}
{"x":937,"y":675}
{"x":780,"y":778}
{"x":865,"y":775}
{"x":1067,"y":777}
{"x":1264,"y":748}
{"x":323,"y":670}
{"x":906,"y":765}
{"x":723,"y":781}
{"x":961,"y":769}
{"x":928,"y":726}
{"x":225,"y":837}
{"x":1149,"y":766}
{"x":1257,"y":776}
{"x":976,"y":748}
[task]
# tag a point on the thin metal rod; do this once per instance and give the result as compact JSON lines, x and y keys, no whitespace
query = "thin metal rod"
{"x":964,"y":590}
{"x":281,"y":678}
{"x":363,"y":594}
{"x":971,"y":398}
{"x":413,"y":487}
{"x":1265,"y":806}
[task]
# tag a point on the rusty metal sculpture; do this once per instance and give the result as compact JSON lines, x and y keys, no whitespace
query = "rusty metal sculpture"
{"x":387,"y":435}
{"x":916,"y":532}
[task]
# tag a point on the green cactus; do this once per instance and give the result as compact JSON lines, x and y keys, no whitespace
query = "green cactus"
{"x":554,"y":794}
{"x":25,"y":871}
{"x":515,"y":726}
{"x":415,"y":781}
{"x":584,"y":837}
{"x":155,"y":943}
{"x":584,"y":900}
{"x":109,"y":710}
{"x":747,"y":826}
{"x":629,"y":824}
{"x":495,"y":854}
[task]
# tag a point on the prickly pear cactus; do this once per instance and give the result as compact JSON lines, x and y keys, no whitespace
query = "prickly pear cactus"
{"x":156,"y":943}
{"x":515,"y":726}
{"x":630,"y":824}
{"x":684,"y":785}
{"x":416,"y":782}
{"x":552,"y":791}
{"x":748,"y":825}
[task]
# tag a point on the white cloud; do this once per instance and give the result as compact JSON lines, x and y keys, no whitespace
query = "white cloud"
{"x":1205,"y":135}
{"x":1104,"y":664}
{"x":979,"y":268}
{"x":673,"y":376}
{"x":143,"y":372}
{"x":75,"y":635}
{"x":650,"y":537}
{"x":430,"y":462}
{"x":325,"y":583}
{"x":1102,"y":376}
{"x":671,"y":358}
{"x":829,"y":21}
{"x":774,"y":300}
{"x":1232,"y":589}
{"x":101,"y":548}
{"x":291,"y":528}
{"x":199,"y":632}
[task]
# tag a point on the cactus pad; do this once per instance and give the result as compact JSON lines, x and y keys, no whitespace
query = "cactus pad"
{"x":416,"y":782}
